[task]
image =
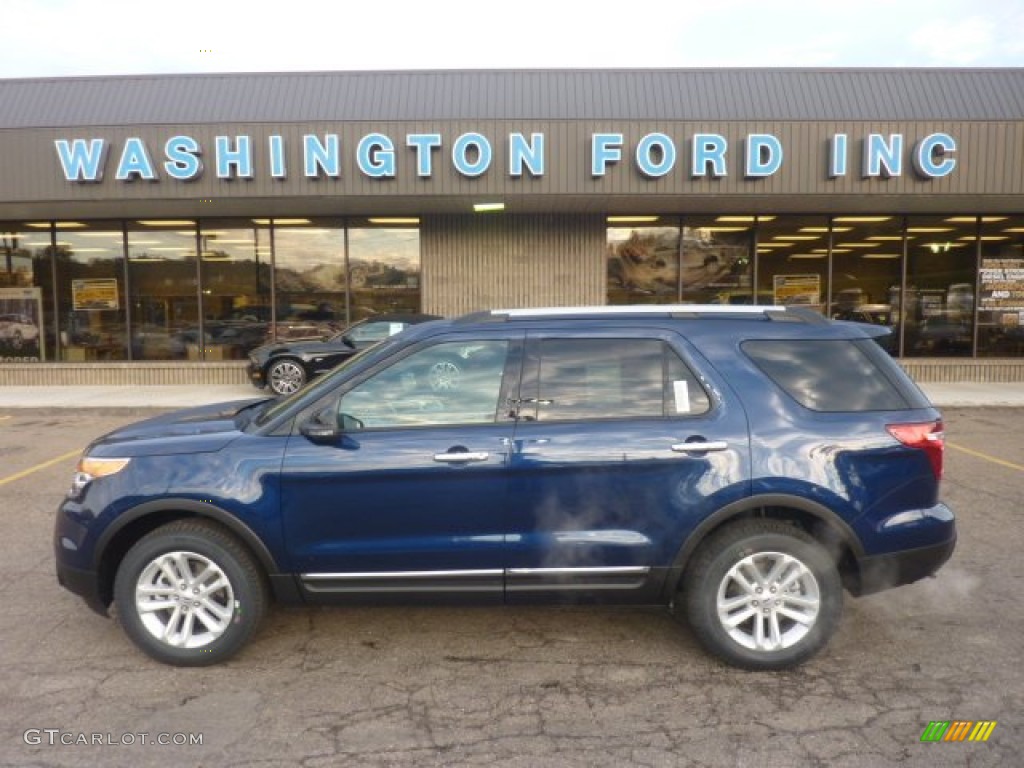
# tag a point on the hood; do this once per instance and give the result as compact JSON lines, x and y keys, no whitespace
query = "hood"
{"x":300,"y":345}
{"x":194,"y":430}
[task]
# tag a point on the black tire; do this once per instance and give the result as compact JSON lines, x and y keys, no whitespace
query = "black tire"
{"x":285,"y":376}
{"x":801,"y":595}
{"x":223,"y":618}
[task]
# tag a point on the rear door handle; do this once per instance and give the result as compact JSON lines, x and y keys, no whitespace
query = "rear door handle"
{"x":461,"y":457}
{"x":700,"y":447}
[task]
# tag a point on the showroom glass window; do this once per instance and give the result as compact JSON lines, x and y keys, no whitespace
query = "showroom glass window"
{"x":312,"y":284}
{"x":163,"y":290}
{"x":384,"y":265}
{"x":941,"y":257}
{"x":643,"y":260}
{"x":235,"y":274}
{"x":716,"y":258}
{"x":91,"y":306}
{"x":1001,"y":284}
{"x":26,"y":292}
{"x":867,"y":262}
{"x":792,"y":261}
{"x":17,"y":252}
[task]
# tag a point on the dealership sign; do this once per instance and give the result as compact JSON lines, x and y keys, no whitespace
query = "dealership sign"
{"x":471,"y":154}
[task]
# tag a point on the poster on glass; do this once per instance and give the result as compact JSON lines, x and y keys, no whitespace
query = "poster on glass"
{"x":21,"y":325}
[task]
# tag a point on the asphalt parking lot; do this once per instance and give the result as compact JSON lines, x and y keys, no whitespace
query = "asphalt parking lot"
{"x":526,"y":687}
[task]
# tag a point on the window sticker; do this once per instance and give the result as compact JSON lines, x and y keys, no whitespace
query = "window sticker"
{"x":681,"y":391}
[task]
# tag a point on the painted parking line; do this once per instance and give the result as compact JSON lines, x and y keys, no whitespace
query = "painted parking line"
{"x":37,"y":467}
{"x":985,"y":456}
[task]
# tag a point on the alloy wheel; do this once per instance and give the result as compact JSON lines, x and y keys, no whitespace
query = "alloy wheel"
{"x":184,"y":599}
{"x":286,"y":377}
{"x":768,"y":601}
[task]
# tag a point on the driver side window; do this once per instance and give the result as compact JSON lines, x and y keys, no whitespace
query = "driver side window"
{"x":448,"y":383}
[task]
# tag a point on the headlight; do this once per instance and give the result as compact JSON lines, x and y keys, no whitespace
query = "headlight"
{"x":89,"y":468}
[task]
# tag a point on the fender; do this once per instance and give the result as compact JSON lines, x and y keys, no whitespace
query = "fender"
{"x":738,"y":508}
{"x":199,"y":509}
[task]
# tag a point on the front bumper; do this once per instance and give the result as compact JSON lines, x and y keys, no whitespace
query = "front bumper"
{"x":85,"y":584}
{"x":256,"y":376}
{"x":76,"y":571}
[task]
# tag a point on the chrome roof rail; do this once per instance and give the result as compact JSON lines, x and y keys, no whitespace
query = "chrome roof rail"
{"x":767,"y":312}
{"x":640,"y":309}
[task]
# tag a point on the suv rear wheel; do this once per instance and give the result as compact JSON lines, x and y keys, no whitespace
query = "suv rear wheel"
{"x":763,"y":594}
{"x":189,"y":594}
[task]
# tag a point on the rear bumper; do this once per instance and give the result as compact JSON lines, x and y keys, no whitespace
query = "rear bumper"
{"x":893,"y":569}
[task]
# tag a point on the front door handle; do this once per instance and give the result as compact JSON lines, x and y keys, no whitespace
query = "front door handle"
{"x":461,"y":457}
{"x":700,"y":446}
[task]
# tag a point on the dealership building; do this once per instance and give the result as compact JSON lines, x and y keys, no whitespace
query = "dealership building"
{"x":156,"y":228}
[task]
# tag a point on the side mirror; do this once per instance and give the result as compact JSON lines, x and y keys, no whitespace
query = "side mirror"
{"x":317,"y":432}
{"x":326,"y":428}
{"x":347,"y":340}
{"x":322,"y":426}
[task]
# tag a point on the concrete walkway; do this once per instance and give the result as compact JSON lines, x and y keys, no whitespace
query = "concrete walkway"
{"x":176,"y":396}
{"x":945,"y":395}
{"x":975,"y":394}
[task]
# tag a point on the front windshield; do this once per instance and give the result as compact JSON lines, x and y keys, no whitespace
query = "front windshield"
{"x":317,"y":388}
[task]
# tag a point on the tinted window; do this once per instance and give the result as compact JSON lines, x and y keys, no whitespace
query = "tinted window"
{"x":829,"y":375}
{"x":614,"y":378}
{"x":450,"y":383}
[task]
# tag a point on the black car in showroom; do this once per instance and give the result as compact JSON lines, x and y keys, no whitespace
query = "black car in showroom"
{"x":285,"y":366}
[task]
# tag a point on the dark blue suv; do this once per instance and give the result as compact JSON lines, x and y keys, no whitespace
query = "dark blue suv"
{"x":745,"y":464}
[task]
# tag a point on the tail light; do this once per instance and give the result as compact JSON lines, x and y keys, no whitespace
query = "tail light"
{"x":928,"y":436}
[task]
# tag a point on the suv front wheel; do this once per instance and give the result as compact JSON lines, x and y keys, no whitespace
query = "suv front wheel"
{"x":189,"y":594}
{"x":763,"y":594}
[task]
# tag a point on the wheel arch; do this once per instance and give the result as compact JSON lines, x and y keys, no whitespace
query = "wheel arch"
{"x":138,"y":521}
{"x":291,"y":357}
{"x":821,"y":522}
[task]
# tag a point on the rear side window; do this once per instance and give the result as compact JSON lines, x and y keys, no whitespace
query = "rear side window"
{"x":615,"y":378}
{"x":834,"y":375}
